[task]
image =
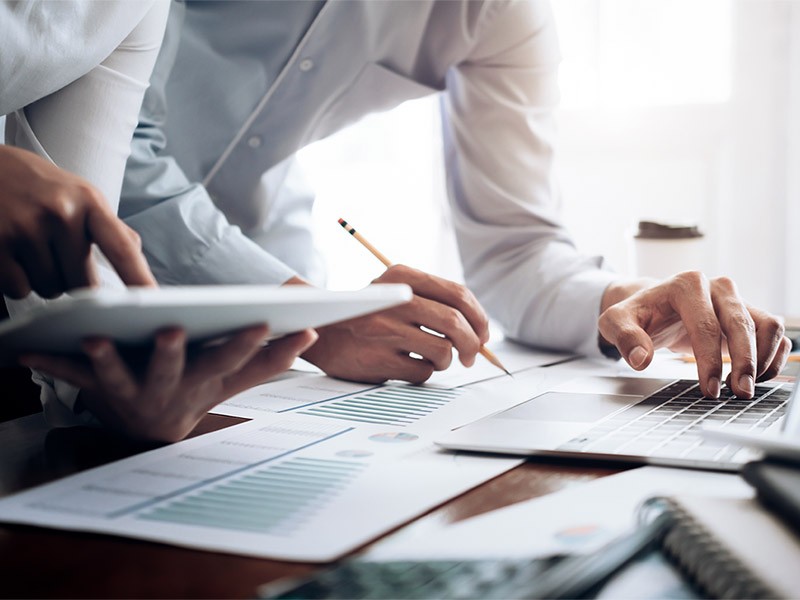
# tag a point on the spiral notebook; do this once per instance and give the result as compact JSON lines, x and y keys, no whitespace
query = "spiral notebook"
{"x":729,"y":548}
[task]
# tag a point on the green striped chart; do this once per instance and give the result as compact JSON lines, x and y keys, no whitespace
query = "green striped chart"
{"x":397,"y":405}
{"x":274,"y":499}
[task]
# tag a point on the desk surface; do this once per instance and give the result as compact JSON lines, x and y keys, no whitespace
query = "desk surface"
{"x":47,"y":563}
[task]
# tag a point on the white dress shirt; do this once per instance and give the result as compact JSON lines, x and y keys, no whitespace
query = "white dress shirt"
{"x":239,"y":87}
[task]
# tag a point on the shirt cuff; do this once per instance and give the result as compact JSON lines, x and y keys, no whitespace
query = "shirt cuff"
{"x":235,"y":259}
{"x":571,"y":321}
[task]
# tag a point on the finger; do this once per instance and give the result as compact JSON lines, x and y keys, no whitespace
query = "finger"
{"x":396,"y":365}
{"x":277,"y":357}
{"x":228,"y":357}
{"x":769,"y":338}
{"x":778,"y":361}
{"x":36,"y":258}
{"x":121,"y":245}
{"x":13,"y":281}
{"x":110,"y":370}
{"x":73,"y":253}
{"x":437,"y":350}
{"x":445,"y":292}
{"x":690,"y":296}
{"x":619,"y":326}
{"x":443,"y":319}
{"x":74,"y":372}
{"x":167,"y":362}
{"x":412,"y":370}
{"x":740,"y":332}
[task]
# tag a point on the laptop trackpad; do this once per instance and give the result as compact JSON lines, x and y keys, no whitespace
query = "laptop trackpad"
{"x":575,"y":408}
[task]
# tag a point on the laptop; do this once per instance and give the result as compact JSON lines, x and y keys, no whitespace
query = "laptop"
{"x":629,"y":419}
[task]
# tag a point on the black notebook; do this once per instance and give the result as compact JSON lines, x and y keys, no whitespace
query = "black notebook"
{"x":729,"y":548}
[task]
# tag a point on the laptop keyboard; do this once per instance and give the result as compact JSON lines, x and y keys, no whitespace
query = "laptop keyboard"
{"x":667,"y":424}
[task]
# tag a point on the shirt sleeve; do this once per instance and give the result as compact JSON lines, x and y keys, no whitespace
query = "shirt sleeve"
{"x":185,"y":237}
{"x":85,"y":127}
{"x":499,"y":134}
{"x":48,"y":44}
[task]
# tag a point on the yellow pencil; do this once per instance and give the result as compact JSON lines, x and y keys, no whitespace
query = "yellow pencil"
{"x":485,"y":352}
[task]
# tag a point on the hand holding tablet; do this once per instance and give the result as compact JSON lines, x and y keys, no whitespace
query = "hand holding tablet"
{"x":162,"y":393}
{"x":132,"y":316}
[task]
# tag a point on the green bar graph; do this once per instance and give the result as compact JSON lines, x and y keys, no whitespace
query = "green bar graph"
{"x":272,"y":499}
{"x":390,"y":405}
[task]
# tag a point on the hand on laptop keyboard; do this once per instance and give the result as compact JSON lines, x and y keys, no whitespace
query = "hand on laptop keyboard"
{"x":689,"y":313}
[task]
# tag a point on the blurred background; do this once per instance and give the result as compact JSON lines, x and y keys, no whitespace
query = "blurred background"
{"x":681,"y":111}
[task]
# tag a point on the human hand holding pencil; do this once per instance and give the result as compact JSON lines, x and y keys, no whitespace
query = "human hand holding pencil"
{"x":484,"y":351}
{"x":407,"y":342}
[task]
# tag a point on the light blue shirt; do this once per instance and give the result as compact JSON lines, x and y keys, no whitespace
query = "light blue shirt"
{"x":239,"y":87}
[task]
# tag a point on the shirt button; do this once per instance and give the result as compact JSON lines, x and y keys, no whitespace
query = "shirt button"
{"x":254,"y":141}
{"x":306,"y":64}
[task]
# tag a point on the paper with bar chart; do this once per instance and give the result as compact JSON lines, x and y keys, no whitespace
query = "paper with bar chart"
{"x":324,"y":467}
{"x":430,"y":405}
{"x":289,"y":487}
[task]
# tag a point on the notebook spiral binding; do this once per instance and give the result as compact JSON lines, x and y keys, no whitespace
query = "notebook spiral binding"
{"x":709,"y":565}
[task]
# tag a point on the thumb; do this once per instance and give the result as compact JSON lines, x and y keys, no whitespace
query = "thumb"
{"x":620,"y":329}
{"x":275,"y":358}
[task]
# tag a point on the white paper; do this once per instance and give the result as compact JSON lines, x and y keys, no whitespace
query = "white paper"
{"x":317,"y":394}
{"x":578,"y":519}
{"x":326,"y":466}
{"x":515,"y":357}
{"x":287,"y":487}
{"x":289,"y":394}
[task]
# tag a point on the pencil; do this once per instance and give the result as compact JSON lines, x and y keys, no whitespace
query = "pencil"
{"x":689,"y":358}
{"x":484,"y":351}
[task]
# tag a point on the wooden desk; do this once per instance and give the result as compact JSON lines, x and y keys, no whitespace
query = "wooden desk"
{"x":45,"y":563}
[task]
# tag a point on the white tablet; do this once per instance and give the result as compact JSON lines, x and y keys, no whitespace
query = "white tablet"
{"x":132,"y":316}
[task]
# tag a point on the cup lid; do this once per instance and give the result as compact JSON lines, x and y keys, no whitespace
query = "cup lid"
{"x":651,"y":230}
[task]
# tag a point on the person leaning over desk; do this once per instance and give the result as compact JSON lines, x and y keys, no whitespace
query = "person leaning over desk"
{"x":213,"y":189}
{"x":73,"y":75}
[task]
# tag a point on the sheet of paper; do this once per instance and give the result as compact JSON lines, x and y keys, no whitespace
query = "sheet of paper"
{"x":302,"y":391}
{"x":398,"y":403}
{"x":515,"y":357}
{"x":324,"y":467}
{"x":286,"y":487}
{"x":578,"y":519}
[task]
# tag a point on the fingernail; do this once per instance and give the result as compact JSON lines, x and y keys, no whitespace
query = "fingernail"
{"x":747,"y":384}
{"x":714,"y":387}
{"x":637,"y":357}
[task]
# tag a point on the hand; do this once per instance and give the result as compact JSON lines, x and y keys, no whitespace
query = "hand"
{"x":376,"y":347}
{"x":689,"y":313}
{"x":49,"y":219}
{"x":166,"y":398}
